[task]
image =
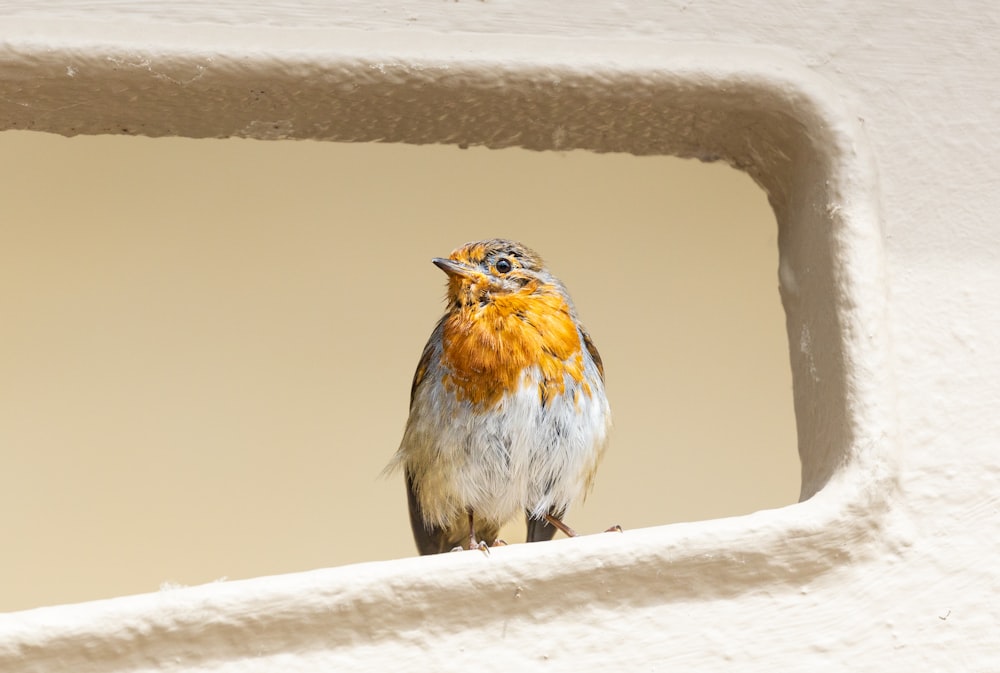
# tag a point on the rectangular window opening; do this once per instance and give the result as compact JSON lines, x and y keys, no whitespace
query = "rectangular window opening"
{"x":209,"y":343}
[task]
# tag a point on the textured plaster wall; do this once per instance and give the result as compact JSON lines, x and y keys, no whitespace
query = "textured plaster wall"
{"x":870,"y":126}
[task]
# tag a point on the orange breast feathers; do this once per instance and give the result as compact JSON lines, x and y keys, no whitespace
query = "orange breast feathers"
{"x":487,"y":346}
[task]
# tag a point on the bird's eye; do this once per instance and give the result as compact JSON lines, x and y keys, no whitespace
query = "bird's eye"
{"x":503,"y":265}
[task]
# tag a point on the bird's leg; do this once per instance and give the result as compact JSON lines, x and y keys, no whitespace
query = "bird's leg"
{"x":472,"y":530}
{"x":561,"y":526}
{"x":572,"y":533}
{"x":473,"y":544}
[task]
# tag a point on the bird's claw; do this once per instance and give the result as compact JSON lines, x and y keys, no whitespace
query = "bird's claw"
{"x":481,"y":546}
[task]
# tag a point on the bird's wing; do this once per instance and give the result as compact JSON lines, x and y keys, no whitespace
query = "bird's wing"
{"x":429,"y":540}
{"x":425,"y":358}
{"x":592,"y":349}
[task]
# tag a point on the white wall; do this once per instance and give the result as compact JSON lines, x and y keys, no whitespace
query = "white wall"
{"x":872,"y":129}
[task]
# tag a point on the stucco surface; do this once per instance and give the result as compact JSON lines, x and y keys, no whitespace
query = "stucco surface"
{"x":870,"y":125}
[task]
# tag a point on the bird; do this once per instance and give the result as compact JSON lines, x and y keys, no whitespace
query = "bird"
{"x":508,"y":410}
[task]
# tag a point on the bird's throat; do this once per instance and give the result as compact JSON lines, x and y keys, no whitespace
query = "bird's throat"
{"x":488,"y":347}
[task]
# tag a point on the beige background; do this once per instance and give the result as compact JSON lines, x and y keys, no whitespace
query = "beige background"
{"x":206,"y":346}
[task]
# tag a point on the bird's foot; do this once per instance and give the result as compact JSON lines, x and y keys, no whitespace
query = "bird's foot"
{"x":481,"y":546}
{"x":614,"y":529}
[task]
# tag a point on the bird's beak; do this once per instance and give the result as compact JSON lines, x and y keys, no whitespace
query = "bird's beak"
{"x":454,"y":269}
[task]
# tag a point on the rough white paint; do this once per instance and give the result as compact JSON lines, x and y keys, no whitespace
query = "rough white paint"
{"x":890,"y":565}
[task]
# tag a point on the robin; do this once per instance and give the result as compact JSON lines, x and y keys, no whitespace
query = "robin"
{"x":508,"y":412}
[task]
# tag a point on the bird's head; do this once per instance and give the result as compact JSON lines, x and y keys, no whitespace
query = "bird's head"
{"x":482,"y":271}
